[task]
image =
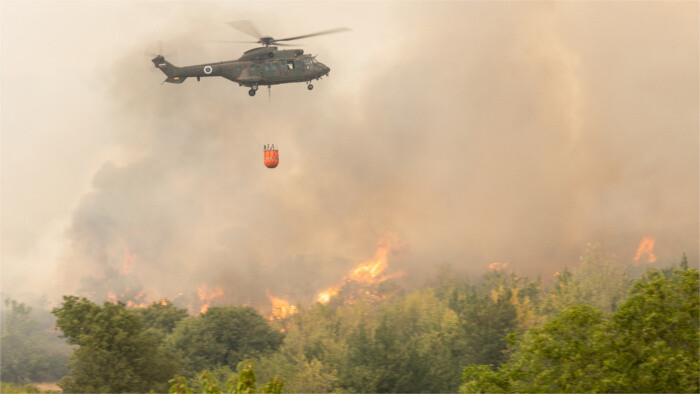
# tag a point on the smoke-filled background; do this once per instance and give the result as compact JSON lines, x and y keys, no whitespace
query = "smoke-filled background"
{"x":465,"y":133}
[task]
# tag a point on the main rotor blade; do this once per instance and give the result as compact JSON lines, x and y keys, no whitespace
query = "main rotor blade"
{"x":247,"y":27}
{"x":331,"y":31}
{"x":231,"y":42}
{"x":161,"y":48}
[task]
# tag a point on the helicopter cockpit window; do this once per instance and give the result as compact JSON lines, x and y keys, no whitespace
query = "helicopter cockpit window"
{"x":297,"y":64}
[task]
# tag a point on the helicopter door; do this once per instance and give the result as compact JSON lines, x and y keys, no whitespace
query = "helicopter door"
{"x":268,"y":73}
{"x":298,"y":69}
{"x":276,"y":71}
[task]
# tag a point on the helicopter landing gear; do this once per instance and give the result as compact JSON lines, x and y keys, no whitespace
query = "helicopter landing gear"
{"x":310,"y":86}
{"x":251,"y":92}
{"x":254,"y":87}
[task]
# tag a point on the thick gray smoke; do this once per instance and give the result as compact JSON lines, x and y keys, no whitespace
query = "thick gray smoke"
{"x":471,"y":132}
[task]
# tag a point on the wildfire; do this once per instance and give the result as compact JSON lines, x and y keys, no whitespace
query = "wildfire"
{"x":281,"y":307}
{"x":324,"y":297}
{"x":207,"y":296}
{"x":498,"y":266}
{"x":138,"y":301}
{"x":366,"y":273}
{"x":646,"y":247}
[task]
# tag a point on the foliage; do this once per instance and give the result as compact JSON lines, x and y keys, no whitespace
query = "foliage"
{"x":115,"y":353}
{"x":161,"y":316}
{"x":652,"y":340}
{"x":649,"y":345}
{"x":275,"y":386}
{"x":246,"y":378}
{"x":207,"y":383}
{"x":499,"y":304}
{"x":591,"y":329}
{"x":599,"y":281}
{"x":28,"y":352}
{"x":222,"y":336}
{"x":11,"y":388}
{"x":243,"y":383}
{"x":179,"y":385}
{"x":408,"y":350}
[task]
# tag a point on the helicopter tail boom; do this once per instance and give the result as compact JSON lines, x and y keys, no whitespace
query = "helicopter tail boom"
{"x":168,"y":69}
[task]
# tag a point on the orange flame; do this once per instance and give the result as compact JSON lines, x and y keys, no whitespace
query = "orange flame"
{"x":281,"y":307}
{"x":113,"y":298}
{"x":324,"y":297}
{"x":365,"y":273}
{"x":646,"y":247}
{"x":207,"y":296}
{"x":498,"y":266}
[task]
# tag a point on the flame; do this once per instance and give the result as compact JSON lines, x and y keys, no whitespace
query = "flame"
{"x":207,"y":296}
{"x":113,"y":298}
{"x":646,"y":247}
{"x":366,"y":273}
{"x":324,"y":297}
{"x":281,"y":307}
{"x":128,"y":261}
{"x":498,"y":266}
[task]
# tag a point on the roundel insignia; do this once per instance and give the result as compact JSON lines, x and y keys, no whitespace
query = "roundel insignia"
{"x":207,"y":69}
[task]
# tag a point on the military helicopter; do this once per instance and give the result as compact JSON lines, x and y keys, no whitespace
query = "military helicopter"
{"x":266,"y":65}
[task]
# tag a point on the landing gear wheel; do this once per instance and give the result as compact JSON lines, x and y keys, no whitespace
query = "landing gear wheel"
{"x":254,"y":87}
{"x":251,"y":92}
{"x":310,"y":86}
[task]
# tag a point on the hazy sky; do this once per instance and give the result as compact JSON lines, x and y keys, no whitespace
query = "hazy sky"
{"x":471,"y":132}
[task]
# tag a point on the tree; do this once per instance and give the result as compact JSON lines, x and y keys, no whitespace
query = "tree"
{"x":28,"y":353}
{"x":599,"y":281}
{"x":162,"y":316}
{"x":115,"y":353}
{"x":650,"y":344}
{"x":408,"y":350}
{"x":652,"y":340}
{"x":223,"y":336}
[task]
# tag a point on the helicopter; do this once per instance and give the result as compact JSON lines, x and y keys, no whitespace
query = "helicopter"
{"x":265,"y":65}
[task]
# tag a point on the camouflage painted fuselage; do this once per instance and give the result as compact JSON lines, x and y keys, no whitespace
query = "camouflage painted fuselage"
{"x":259,"y":66}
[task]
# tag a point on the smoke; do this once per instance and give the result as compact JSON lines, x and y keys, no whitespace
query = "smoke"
{"x":473,"y":132}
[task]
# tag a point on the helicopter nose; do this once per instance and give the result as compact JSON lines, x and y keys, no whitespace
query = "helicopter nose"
{"x":326,"y":69}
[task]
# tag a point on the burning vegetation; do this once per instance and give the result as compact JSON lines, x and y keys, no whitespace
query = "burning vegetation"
{"x":207,"y":296}
{"x":365,"y":276}
{"x":645,"y":249}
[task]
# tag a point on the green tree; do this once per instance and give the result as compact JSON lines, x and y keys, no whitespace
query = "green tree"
{"x":115,"y":353}
{"x":409,"y":349}
{"x":28,"y":353}
{"x":208,"y":384}
{"x":650,"y":344}
{"x":179,"y":385}
{"x":246,"y":378}
{"x":275,"y":386}
{"x":162,"y":316}
{"x":222,"y":336}
{"x":599,"y":281}
{"x":653,"y":339}
{"x":11,"y":388}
